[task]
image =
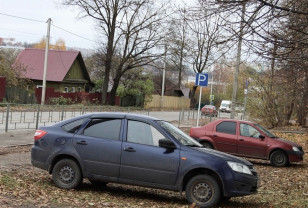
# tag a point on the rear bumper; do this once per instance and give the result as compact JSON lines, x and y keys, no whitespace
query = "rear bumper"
{"x":39,"y":158}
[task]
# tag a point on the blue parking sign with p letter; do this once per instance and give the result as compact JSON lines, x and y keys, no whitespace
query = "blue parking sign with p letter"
{"x":201,"y":79}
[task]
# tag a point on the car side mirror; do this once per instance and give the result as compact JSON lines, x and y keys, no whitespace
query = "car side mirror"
{"x":261,"y":136}
{"x":166,"y":143}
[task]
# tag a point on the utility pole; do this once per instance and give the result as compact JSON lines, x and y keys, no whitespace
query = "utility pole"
{"x":238,"y":62}
{"x":45,"y":62}
{"x":211,"y":96}
{"x":245,"y":98}
{"x":163,"y":81}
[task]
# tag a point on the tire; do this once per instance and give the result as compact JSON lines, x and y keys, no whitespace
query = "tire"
{"x":279,"y":158}
{"x":207,"y":145}
{"x":97,"y":183}
{"x":203,"y":190}
{"x":66,"y":174}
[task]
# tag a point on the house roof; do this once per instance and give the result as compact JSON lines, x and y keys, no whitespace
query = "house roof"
{"x":58,"y":63}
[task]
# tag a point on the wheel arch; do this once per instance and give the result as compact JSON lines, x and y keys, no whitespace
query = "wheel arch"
{"x":206,"y":139}
{"x":61,"y":157}
{"x":276,"y":149}
{"x":200,"y":171}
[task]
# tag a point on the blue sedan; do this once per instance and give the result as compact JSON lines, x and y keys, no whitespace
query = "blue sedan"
{"x":139,"y":150}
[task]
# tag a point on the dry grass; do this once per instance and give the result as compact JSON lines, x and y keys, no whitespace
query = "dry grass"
{"x":31,"y":187}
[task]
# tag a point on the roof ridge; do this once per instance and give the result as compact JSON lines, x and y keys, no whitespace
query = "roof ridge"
{"x":53,"y":50}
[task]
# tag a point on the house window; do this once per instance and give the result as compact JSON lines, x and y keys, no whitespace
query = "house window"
{"x":73,"y":89}
{"x":66,"y":89}
{"x":79,"y":89}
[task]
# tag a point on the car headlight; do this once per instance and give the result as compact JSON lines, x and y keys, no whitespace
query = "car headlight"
{"x":238,"y":167}
{"x":295,"y":149}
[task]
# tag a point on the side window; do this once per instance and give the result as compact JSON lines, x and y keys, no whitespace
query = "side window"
{"x":249,"y":131}
{"x":143,"y":133}
{"x":72,"y":127}
{"x":227,"y":127}
{"x":104,"y":128}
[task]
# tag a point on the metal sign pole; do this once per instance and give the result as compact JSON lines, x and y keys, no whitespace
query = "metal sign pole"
{"x":199,"y":105}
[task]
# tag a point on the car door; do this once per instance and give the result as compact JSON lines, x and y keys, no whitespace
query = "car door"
{"x":99,"y":147}
{"x":225,"y":137}
{"x":250,"y":144}
{"x":142,"y":158}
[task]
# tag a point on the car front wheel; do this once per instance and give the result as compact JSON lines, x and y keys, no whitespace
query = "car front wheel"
{"x":66,"y":174}
{"x":203,"y":190}
{"x":279,"y":158}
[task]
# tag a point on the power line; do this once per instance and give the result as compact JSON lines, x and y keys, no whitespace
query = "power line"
{"x":22,"y":32}
{"x":22,"y":18}
{"x":51,"y":24}
{"x":74,"y":34}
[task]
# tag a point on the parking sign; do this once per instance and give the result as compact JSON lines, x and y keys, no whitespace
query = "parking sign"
{"x":201,"y":79}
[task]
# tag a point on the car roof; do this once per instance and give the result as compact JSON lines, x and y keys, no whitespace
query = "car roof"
{"x":235,"y":120}
{"x":123,"y":115}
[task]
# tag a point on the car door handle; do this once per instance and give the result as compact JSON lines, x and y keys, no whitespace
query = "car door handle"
{"x":241,"y":140}
{"x":130,"y":149}
{"x":82,"y":143}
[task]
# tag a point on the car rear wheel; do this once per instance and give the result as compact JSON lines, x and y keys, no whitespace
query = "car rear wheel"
{"x":207,"y":145}
{"x":203,"y":190}
{"x":66,"y":174}
{"x":279,"y":158}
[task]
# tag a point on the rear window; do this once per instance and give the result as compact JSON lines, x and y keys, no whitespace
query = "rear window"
{"x":227,"y":127}
{"x":73,"y":126}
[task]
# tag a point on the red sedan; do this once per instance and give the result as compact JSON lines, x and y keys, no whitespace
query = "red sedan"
{"x":209,"y":110}
{"x":247,"y":139}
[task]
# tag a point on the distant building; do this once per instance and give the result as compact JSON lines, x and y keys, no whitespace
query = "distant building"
{"x":66,"y":71}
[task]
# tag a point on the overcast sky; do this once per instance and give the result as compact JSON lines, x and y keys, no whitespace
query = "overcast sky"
{"x":40,"y":10}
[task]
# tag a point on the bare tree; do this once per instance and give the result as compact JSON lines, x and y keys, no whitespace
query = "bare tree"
{"x":208,"y":42}
{"x":178,"y":43}
{"x":278,"y":35}
{"x":132,"y":31}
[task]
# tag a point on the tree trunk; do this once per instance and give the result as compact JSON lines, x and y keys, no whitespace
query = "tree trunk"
{"x":113,"y":92}
{"x":108,"y":62}
{"x":192,"y":98}
{"x":302,"y":108}
{"x":288,"y":114}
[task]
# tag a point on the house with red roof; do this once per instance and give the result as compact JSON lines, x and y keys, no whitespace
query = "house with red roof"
{"x":66,"y":70}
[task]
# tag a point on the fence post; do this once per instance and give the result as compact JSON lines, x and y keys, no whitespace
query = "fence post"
{"x":62,"y":114}
{"x":37,"y":116}
{"x":7,"y":117}
{"x":179,"y":119}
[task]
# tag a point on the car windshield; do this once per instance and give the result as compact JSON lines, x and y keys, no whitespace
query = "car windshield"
{"x":267,"y":132}
{"x":179,"y":135}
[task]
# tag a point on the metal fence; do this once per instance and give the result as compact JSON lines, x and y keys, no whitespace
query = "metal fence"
{"x":16,"y":116}
{"x":13,"y":116}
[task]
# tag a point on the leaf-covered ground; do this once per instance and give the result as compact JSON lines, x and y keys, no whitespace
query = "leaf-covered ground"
{"x":26,"y":186}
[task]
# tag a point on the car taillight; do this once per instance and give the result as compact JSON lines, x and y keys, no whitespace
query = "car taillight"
{"x":39,"y":134}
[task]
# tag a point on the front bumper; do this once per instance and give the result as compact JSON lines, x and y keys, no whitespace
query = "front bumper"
{"x":240,"y":184}
{"x":296,"y":156}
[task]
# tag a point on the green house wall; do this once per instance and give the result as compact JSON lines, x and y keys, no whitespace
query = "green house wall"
{"x":76,"y":78}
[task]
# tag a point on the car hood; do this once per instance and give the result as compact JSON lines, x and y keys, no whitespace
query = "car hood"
{"x":222,"y":155}
{"x":286,"y":141}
